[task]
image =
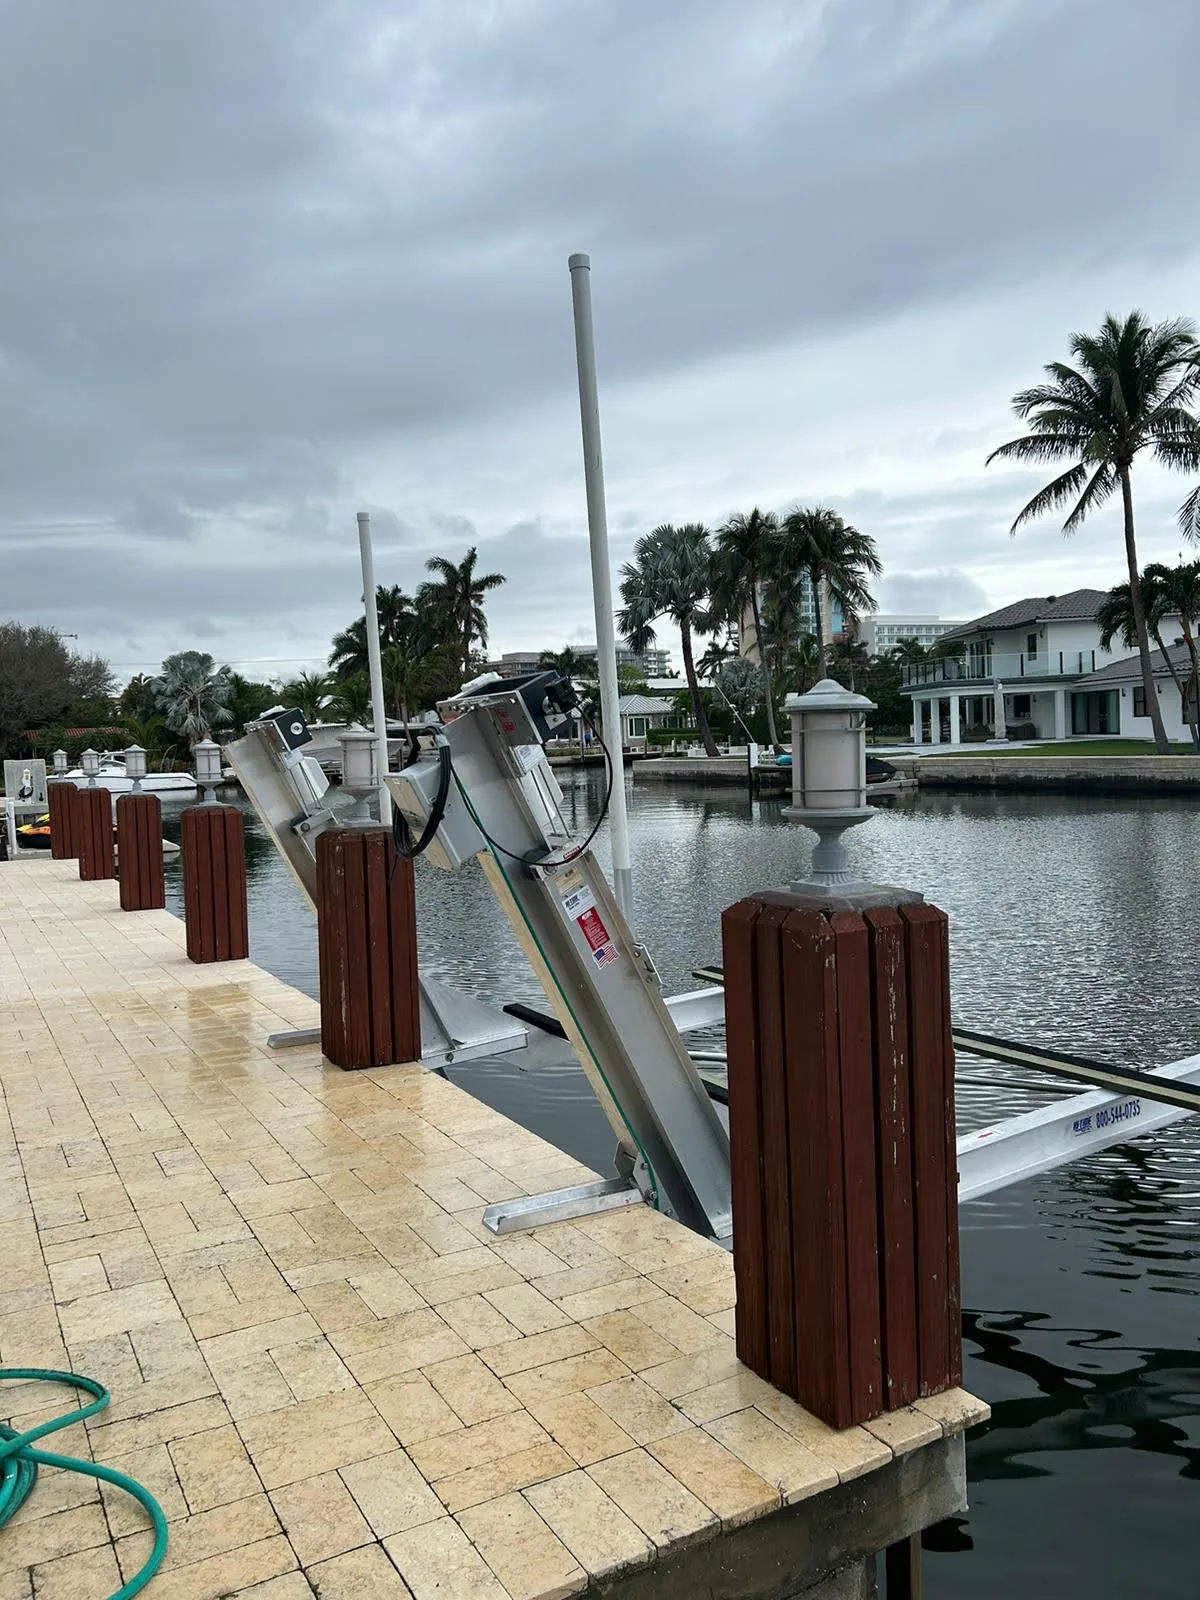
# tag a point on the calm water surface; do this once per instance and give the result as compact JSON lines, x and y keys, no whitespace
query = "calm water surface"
{"x":1073,"y":923}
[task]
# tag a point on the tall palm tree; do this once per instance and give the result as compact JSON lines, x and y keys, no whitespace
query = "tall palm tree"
{"x":671,"y":576}
{"x":352,"y":699}
{"x":568,"y":663}
{"x":193,"y":695}
{"x":838,"y":561}
{"x":247,"y":701}
{"x":459,"y":595}
{"x":747,"y":551}
{"x":1130,"y":390}
{"x":908,"y":651}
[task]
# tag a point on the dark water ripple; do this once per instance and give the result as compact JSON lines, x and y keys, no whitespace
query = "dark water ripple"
{"x":1073,"y":923}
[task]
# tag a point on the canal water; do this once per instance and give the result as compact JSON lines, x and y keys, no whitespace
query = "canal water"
{"x":1074,"y":924}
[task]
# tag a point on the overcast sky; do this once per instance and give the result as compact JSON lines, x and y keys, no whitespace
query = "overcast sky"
{"x":263,"y":264}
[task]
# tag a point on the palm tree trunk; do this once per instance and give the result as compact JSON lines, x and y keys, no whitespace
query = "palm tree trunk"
{"x":693,"y":683}
{"x":765,"y":663}
{"x":814,"y":583}
{"x":1191,"y":704}
{"x":1139,"y":619}
{"x":1180,"y":683}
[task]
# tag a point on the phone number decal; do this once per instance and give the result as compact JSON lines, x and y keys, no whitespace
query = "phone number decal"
{"x":1107,"y":1116}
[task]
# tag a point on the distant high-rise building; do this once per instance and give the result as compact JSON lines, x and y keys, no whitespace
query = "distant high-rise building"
{"x":882,"y":633}
{"x":806,"y":620}
{"x":653,"y":663}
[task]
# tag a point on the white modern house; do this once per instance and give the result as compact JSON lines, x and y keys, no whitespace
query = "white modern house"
{"x":1042,"y":661}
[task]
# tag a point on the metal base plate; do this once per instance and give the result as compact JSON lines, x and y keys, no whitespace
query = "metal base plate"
{"x":561,"y":1205}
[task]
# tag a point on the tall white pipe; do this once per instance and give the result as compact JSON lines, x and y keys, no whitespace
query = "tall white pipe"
{"x":374,"y":664}
{"x":602,"y":596}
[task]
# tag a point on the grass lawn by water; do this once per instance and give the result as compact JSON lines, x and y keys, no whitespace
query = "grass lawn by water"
{"x":1071,"y":747}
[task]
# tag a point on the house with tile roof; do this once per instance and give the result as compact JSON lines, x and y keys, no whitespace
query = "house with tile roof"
{"x":1042,"y":659}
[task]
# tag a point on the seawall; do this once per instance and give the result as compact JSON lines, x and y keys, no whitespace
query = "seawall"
{"x":1062,"y":774}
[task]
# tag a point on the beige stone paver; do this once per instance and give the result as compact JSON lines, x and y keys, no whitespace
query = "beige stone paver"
{"x":337,"y":1381}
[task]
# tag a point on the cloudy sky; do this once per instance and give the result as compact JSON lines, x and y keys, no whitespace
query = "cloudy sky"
{"x":264,"y":264}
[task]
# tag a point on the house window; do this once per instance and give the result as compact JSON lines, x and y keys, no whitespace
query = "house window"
{"x":637,"y":727}
{"x":1031,"y":646}
{"x":1022,"y":705}
{"x":1139,"y":702}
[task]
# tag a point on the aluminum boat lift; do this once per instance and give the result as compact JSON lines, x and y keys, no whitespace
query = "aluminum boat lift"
{"x":485,"y":791}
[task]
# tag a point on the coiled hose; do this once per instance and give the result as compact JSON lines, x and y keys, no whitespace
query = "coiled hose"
{"x":19,"y":1463}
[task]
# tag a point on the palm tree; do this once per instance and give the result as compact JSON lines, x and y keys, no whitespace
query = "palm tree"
{"x":248,"y":700}
{"x":352,"y":699}
{"x":1130,"y":391}
{"x":348,"y":651}
{"x":193,"y":695}
{"x":671,"y":576}
{"x":568,"y":663}
{"x":1166,"y":592}
{"x":908,"y":651}
{"x":747,"y":551}
{"x":459,"y":597}
{"x":838,"y":561}
{"x":310,"y":693}
{"x":153,"y":736}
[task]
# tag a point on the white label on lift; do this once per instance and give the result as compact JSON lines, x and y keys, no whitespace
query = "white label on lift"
{"x":578,"y":901}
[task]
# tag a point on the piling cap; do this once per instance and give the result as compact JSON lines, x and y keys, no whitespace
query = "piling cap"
{"x":828,"y":695}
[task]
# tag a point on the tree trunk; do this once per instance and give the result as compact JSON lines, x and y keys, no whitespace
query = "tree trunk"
{"x":1154,"y":710}
{"x":689,"y":668}
{"x":1180,"y":683}
{"x":814,"y":583}
{"x":764,"y":662}
{"x":1191,"y":704}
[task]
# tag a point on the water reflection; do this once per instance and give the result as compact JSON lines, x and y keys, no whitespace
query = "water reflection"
{"x":1072,"y":924}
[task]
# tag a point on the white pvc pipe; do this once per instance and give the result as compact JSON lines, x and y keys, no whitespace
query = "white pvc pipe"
{"x":602,"y":594}
{"x":374,"y":664}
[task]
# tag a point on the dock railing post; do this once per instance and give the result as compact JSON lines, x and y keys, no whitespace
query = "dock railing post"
{"x":367,"y":950}
{"x":94,"y":838}
{"x":842,"y":1148}
{"x":61,"y":803}
{"x":213,"y":850}
{"x":140,"y":852}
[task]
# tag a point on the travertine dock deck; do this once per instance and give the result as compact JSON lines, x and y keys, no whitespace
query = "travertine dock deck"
{"x":335,"y":1380}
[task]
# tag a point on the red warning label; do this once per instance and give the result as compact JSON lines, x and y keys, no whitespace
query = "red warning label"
{"x":593,"y":929}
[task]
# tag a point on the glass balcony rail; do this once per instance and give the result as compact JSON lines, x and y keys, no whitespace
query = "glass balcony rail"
{"x":985,"y":667}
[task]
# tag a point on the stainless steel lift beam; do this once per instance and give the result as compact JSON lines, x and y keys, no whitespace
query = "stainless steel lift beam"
{"x":504,"y":808}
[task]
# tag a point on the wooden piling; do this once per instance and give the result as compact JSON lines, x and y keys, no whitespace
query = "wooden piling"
{"x":62,"y":799}
{"x":140,"y":852}
{"x":367,"y":950}
{"x":841,"y":1107}
{"x":213,"y":848}
{"x":94,"y":834}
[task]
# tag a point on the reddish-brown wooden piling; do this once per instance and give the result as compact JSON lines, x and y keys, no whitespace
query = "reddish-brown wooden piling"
{"x":844,"y":1181}
{"x":140,"y":852}
{"x":213,"y":848}
{"x":367,"y":950}
{"x":94,"y":834}
{"x":62,"y":800}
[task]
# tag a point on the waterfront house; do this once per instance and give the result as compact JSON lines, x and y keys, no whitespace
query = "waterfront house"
{"x":640,"y":713}
{"x":1044,"y":657}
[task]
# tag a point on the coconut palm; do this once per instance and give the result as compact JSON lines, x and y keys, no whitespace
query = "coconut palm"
{"x":838,"y":561}
{"x":310,"y":693}
{"x":747,"y":551}
{"x":351,"y":700}
{"x":248,"y":700}
{"x":568,"y":663}
{"x":458,"y":597}
{"x":1167,"y":592}
{"x":193,"y":695}
{"x":908,"y":651}
{"x":671,"y":576}
{"x":1130,"y":390}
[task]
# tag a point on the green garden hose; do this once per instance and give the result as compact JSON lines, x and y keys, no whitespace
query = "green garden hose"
{"x":19,"y":1463}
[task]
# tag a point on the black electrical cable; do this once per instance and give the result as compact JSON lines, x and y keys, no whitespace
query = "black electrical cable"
{"x":402,"y":838}
{"x":530,"y":858}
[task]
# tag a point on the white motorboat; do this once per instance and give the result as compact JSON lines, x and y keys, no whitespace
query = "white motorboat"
{"x":113,"y":777}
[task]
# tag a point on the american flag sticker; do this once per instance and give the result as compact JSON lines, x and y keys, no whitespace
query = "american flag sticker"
{"x":606,"y":953}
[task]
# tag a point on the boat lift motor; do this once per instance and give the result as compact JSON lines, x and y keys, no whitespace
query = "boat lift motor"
{"x":289,"y":791}
{"x":486,"y":790}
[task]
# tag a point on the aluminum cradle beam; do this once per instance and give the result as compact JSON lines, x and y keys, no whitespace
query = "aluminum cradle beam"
{"x":1120,"y":1080}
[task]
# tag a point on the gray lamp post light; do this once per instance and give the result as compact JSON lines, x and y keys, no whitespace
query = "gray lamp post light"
{"x":89,"y":761}
{"x":135,"y":766}
{"x":60,"y":761}
{"x":208,"y":768}
{"x":359,"y":773}
{"x":829,"y":777}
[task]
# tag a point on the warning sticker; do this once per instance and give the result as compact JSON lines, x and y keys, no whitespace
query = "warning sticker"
{"x":593,"y":929}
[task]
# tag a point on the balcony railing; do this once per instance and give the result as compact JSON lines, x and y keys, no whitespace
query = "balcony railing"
{"x":983,"y":669}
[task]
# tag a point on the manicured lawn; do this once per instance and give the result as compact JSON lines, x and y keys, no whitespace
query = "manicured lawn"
{"x":1068,"y":747}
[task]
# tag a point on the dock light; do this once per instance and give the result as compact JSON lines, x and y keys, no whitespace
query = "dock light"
{"x":829,"y":776}
{"x":208,"y":768}
{"x":89,"y":761}
{"x":359,"y":776}
{"x":135,"y":766}
{"x":60,"y":761}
